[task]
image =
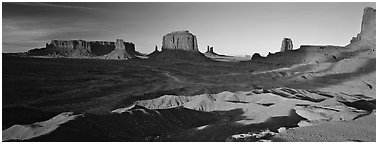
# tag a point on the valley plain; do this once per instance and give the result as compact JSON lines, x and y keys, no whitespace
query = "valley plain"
{"x":73,"y":91}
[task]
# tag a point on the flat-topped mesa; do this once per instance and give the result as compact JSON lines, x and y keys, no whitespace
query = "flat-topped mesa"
{"x":367,"y":27}
{"x":81,"y":48}
{"x":69,"y":44}
{"x":69,"y":48}
{"x":286,"y":45}
{"x":102,"y":42}
{"x":74,"y":44}
{"x":180,"y":40}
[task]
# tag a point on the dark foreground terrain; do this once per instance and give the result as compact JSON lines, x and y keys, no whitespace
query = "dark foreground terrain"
{"x":121,"y":100}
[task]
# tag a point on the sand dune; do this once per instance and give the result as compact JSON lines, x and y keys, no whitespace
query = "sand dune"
{"x":24,"y":132}
{"x":234,"y":111}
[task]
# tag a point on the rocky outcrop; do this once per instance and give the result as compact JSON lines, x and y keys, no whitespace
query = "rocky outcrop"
{"x":78,"y":48}
{"x":177,"y":47}
{"x":210,"y":52}
{"x":69,"y":44}
{"x":81,"y":48}
{"x":130,"y":48}
{"x":210,"y":49}
{"x":256,"y":56}
{"x":287,"y":45}
{"x":70,"y":48}
{"x":367,"y":34}
{"x":368,"y":24}
{"x":120,"y":51}
{"x":154,"y":52}
{"x":119,"y":44}
{"x":180,"y":40}
{"x":99,"y":48}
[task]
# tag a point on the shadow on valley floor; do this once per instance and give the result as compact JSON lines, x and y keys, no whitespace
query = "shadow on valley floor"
{"x":99,"y":86}
{"x":174,"y":124}
{"x":223,"y":131}
{"x":138,"y":124}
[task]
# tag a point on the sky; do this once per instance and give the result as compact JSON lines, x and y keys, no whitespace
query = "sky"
{"x":231,"y":28}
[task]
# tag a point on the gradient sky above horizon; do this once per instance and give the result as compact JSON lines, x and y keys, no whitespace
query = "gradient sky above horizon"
{"x":231,"y":28}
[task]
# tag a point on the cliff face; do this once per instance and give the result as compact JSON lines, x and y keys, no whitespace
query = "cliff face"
{"x":120,"y":51}
{"x":99,"y":48}
{"x":130,"y":48}
{"x":180,"y":40}
{"x":81,"y":48}
{"x":286,"y":45}
{"x":70,"y":48}
{"x":367,"y":34}
{"x":178,"y":46}
{"x":71,"y":44}
{"x":368,"y":24}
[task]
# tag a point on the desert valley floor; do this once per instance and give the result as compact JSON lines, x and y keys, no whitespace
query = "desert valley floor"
{"x":77,"y":90}
{"x":205,"y":100}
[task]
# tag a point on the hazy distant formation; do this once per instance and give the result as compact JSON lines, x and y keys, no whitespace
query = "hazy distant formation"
{"x":178,"y":40}
{"x":82,"y":49}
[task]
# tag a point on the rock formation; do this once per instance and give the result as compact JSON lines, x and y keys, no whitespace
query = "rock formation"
{"x":99,"y":48}
{"x":287,"y":45}
{"x":154,"y":52}
{"x":70,"y":48}
{"x":130,"y":48}
{"x":256,"y":56}
{"x":180,"y":40}
{"x":120,"y":51}
{"x":77,"y":48}
{"x":119,"y":44}
{"x":367,"y":33}
{"x":178,"y":46}
{"x":210,"y":52}
{"x":81,"y":48}
{"x":210,"y":49}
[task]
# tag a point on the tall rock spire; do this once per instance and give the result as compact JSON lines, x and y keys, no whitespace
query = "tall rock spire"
{"x":367,"y":34}
{"x":286,"y":45}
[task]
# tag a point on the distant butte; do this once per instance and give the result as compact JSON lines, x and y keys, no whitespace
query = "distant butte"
{"x":180,"y":40}
{"x":286,"y":45}
{"x":179,"y":45}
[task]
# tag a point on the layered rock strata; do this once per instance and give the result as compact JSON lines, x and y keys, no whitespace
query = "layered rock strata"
{"x":180,"y":40}
{"x":287,"y":45}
